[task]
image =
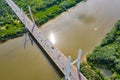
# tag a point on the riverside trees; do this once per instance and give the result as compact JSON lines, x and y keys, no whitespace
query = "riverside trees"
{"x":107,"y":54}
{"x":43,"y":10}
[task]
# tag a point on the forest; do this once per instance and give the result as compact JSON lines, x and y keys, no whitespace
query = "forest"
{"x":42,"y":10}
{"x":107,"y":53}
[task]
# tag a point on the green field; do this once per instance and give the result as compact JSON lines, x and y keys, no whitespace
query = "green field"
{"x":107,"y":53}
{"x":43,"y":11}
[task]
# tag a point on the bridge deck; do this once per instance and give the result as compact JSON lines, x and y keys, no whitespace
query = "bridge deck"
{"x":55,"y":54}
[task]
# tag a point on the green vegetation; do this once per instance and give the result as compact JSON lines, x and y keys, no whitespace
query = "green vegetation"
{"x":10,"y":26}
{"x":107,"y":54}
{"x":43,"y":10}
{"x":90,"y":72}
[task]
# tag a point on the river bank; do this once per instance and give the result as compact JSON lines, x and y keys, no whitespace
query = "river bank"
{"x":11,"y":26}
{"x":83,"y":27}
{"x":107,"y":53}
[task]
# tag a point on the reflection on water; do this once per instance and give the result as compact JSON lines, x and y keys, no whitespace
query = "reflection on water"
{"x":83,"y":26}
{"x":17,"y":63}
{"x":86,"y":19}
{"x":52,"y":38}
{"x":95,"y":28}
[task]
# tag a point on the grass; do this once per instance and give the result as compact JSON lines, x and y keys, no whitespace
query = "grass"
{"x":42,"y":10}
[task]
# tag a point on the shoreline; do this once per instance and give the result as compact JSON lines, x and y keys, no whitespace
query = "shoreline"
{"x":62,"y":14}
{"x":21,"y":33}
{"x":102,"y":55}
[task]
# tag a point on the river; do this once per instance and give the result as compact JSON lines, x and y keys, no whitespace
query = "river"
{"x":82,"y":26}
{"x":19,"y":63}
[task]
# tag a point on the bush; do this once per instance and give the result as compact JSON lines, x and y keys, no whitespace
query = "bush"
{"x":107,"y":54}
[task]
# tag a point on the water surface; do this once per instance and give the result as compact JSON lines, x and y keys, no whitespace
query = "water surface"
{"x":17,"y":63}
{"x":83,"y":26}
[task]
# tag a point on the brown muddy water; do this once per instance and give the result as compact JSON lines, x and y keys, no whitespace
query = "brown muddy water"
{"x":83,"y":26}
{"x":17,"y":63}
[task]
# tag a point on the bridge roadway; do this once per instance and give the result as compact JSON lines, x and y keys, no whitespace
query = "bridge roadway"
{"x":55,"y":54}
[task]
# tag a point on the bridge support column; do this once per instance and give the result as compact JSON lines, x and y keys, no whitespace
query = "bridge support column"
{"x":68,"y":68}
{"x":78,"y":59}
{"x":31,"y":18}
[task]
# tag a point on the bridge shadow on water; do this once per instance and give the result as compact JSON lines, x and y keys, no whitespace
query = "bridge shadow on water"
{"x":55,"y":67}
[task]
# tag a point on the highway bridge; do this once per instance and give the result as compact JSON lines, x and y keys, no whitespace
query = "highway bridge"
{"x":54,"y":53}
